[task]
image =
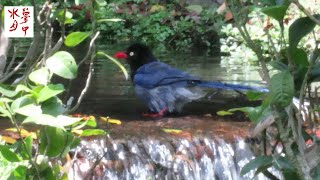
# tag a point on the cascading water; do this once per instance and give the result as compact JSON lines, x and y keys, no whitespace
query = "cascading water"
{"x":198,"y":158}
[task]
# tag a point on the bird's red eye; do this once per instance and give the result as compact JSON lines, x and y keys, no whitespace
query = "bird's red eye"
{"x":121,"y":55}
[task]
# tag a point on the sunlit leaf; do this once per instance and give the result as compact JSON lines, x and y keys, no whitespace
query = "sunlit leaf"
{"x":23,"y":132}
{"x":22,"y":101}
{"x":8,"y":139}
{"x":20,"y":173}
{"x":116,"y":62}
{"x":157,"y":7}
{"x":45,"y":119}
{"x":40,"y":76}
{"x":93,"y":132}
{"x":50,"y":91}
{"x":224,"y":113}
{"x":77,"y":131}
{"x":76,"y":38}
{"x":109,"y":20}
{"x":256,"y":163}
{"x":68,"y":15}
{"x":112,"y":121}
{"x":63,"y":64}
{"x":29,"y":110}
{"x":7,"y":91}
{"x":21,"y":87}
{"x":7,"y":100}
{"x":167,"y":130}
{"x":101,"y":2}
{"x":91,"y":123}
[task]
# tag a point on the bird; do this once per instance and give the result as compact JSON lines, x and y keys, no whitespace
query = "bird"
{"x":163,"y":88}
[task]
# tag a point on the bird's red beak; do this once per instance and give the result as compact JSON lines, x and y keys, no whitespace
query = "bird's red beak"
{"x":121,"y":55}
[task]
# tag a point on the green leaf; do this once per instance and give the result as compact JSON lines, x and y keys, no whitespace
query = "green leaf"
{"x":276,"y":12}
{"x":195,"y":8}
{"x":4,"y":112}
{"x":300,"y":28}
{"x":21,"y":87}
{"x":67,"y":17}
{"x":7,"y":100}
{"x":27,"y":150}
{"x":224,"y":113}
{"x":109,"y":20}
{"x":278,"y":65}
{"x":76,"y":38}
{"x":50,"y":91}
{"x":93,"y":132}
{"x":6,"y":90}
{"x":288,"y":171}
{"x":101,"y":2}
{"x":254,"y":95}
{"x":45,"y":119}
{"x":22,"y":101}
{"x":282,"y":88}
{"x":75,"y":142}
{"x":8,"y":154}
{"x":299,"y":57}
{"x":63,"y":64}
{"x":284,"y":163}
{"x":55,"y":141}
{"x":259,"y":161}
{"x":20,"y":173}
{"x":53,"y":107}
{"x":116,"y":62}
{"x":29,"y":110}
{"x":91,"y":123}
{"x":40,"y":76}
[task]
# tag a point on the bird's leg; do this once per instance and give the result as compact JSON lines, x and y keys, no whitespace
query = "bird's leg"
{"x":156,"y":115}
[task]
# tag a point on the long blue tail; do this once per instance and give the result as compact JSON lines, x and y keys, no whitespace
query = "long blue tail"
{"x":228,"y":86}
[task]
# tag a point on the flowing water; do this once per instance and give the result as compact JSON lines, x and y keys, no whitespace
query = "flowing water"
{"x":199,"y":158}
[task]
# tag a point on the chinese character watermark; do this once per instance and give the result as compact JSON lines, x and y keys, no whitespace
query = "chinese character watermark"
{"x":18,"y":21}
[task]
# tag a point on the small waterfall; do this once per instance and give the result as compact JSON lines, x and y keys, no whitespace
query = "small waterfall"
{"x":165,"y":158}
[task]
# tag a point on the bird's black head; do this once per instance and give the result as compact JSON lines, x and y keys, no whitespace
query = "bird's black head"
{"x":136,"y":55}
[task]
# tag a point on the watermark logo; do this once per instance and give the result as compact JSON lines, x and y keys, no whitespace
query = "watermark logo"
{"x":18,"y":21}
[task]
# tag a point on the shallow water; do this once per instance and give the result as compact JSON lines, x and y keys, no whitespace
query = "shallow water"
{"x":111,"y":94}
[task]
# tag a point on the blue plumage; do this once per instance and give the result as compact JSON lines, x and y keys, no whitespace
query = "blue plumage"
{"x":163,"y":87}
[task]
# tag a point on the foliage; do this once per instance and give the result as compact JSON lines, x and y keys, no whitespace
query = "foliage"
{"x":29,"y":96}
{"x":173,"y":24}
{"x":280,"y":38}
{"x":258,"y":24}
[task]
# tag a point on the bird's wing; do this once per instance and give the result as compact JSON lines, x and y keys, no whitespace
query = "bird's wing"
{"x":156,"y":74}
